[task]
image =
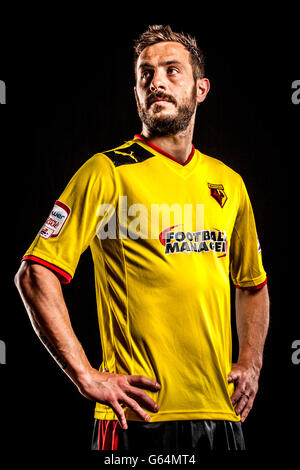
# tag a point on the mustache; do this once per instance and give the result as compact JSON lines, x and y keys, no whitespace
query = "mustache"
{"x":159,"y":94}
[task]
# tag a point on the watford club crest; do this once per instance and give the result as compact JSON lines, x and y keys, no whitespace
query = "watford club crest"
{"x":218,"y":193}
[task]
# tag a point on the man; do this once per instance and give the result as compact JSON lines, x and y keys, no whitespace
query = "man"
{"x":166,"y":225}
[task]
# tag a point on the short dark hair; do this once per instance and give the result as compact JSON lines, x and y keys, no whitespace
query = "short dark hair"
{"x":160,"y":33}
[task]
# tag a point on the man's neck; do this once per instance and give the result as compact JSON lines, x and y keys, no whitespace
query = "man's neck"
{"x":179,"y":145}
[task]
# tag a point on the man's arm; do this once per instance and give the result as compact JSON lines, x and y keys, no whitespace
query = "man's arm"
{"x":252,"y":319}
{"x":41,"y":292}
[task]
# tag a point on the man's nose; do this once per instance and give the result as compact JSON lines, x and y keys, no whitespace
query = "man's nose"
{"x":158,"y":81}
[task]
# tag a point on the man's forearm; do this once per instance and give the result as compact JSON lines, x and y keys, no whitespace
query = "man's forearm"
{"x":252,"y":319}
{"x":42,"y":295}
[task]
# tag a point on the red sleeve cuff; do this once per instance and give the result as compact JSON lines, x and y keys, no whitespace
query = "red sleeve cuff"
{"x":63,"y":276}
{"x":259,"y":286}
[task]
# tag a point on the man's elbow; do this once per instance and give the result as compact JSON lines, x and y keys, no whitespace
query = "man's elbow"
{"x":20,"y":276}
{"x":27,"y":278}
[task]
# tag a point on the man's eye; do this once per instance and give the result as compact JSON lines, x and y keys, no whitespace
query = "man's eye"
{"x":145,"y":74}
{"x":172,"y":70}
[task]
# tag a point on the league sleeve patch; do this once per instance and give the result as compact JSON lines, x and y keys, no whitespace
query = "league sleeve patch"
{"x":56,"y":220}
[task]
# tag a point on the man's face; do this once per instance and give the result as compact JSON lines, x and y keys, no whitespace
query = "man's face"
{"x":166,"y":91}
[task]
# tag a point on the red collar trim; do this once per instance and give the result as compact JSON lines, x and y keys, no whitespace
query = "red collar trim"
{"x":155,"y":147}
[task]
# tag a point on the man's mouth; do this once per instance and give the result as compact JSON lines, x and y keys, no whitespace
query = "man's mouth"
{"x":159,"y":100}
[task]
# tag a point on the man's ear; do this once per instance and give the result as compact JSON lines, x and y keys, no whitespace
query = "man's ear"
{"x":203,"y":87}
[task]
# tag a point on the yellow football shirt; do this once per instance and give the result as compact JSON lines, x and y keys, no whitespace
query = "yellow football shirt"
{"x":165,"y":238}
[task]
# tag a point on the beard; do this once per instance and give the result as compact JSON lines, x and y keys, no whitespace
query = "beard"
{"x":170,"y":124}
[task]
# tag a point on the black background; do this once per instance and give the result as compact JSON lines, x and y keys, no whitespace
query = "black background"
{"x":70,"y":95}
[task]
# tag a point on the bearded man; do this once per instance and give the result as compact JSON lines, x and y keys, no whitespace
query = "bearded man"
{"x":167,"y":227}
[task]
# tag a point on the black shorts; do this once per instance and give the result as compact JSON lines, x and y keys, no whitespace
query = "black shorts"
{"x":168,"y":436}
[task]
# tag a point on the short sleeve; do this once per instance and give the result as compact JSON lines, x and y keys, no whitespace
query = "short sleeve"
{"x":75,"y":218}
{"x":246,"y":264}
